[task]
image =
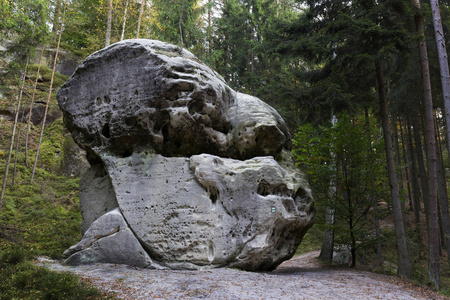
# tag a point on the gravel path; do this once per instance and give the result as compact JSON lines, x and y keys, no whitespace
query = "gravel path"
{"x":302,"y":277}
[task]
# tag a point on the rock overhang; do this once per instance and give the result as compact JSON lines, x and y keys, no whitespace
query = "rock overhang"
{"x":202,"y":174}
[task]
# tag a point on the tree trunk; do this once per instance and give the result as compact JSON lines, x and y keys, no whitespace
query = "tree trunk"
{"x":444,"y":201}
{"x":372,"y":187}
{"x":326,"y":251}
{"x":404,"y":263}
{"x":56,"y":19}
{"x":433,"y":227}
{"x":414,"y":181}
{"x":399,"y":172}
{"x":11,"y":145}
{"x":141,"y":12}
{"x":31,"y":107}
{"x":179,"y":24}
{"x":125,"y":21}
{"x":443,"y":62}
{"x":406,"y":163}
{"x":48,"y":98}
{"x":420,"y":161}
{"x":108,"y":24}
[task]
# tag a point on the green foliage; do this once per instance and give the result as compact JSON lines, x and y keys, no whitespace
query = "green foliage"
{"x":45,"y":73}
{"x":21,"y":279}
{"x":40,"y":219}
{"x":311,"y":241}
{"x":344,"y":164}
{"x":167,"y":16}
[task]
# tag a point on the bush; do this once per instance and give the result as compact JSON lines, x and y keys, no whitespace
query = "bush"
{"x":21,"y":279}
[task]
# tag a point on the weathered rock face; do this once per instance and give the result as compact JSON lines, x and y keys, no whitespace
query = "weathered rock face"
{"x":201,"y":175}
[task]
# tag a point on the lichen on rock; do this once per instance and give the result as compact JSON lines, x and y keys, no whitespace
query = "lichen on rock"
{"x":201,"y":174}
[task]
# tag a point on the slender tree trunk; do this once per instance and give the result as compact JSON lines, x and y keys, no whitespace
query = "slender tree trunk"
{"x":372,"y":187}
{"x":433,"y":227}
{"x":31,"y":107}
{"x":141,"y":12}
{"x":326,"y":251}
{"x":443,"y":61}
{"x":406,"y":163}
{"x":400,"y":173}
{"x":11,"y":145}
{"x":125,"y":22}
{"x":444,"y":199}
{"x":56,"y":19}
{"x":108,"y":24}
{"x":49,"y":95}
{"x":414,"y":181}
{"x":420,"y":161}
{"x":180,"y":23}
{"x":404,"y":263}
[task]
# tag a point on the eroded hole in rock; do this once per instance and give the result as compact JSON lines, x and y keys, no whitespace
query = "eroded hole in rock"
{"x":196,"y":107}
{"x":131,"y":121}
{"x":106,"y":131}
{"x":281,"y":190}
{"x":98,"y":101}
{"x":301,"y":193}
{"x":263,"y":188}
{"x":289,"y":205}
{"x":161,"y":118}
{"x":165,"y":133}
{"x":107,"y":99}
{"x":213,"y":194}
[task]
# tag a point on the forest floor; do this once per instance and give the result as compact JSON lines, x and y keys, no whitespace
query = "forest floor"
{"x":302,"y":277}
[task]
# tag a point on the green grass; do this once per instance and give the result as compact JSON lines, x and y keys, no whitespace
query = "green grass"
{"x":21,"y":279}
{"x":39,"y":218}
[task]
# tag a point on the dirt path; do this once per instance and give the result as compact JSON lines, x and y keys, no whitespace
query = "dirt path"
{"x":299,"y":278}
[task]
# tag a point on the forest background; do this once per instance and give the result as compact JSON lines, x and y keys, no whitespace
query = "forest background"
{"x":363,"y":86}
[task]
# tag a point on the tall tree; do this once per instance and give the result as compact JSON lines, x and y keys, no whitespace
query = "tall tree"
{"x":404,"y":262}
{"x":141,"y":12}
{"x":124,"y":22}
{"x":11,"y":144}
{"x":108,"y":24}
{"x":49,"y":94}
{"x":433,"y":238}
{"x":31,"y":106}
{"x":56,"y":17}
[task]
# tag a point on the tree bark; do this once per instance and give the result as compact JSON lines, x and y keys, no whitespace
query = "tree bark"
{"x":399,"y":172}
{"x":125,"y":21}
{"x":420,"y":161}
{"x":372,"y":187}
{"x":406,"y":163}
{"x":56,"y":19}
{"x":326,"y":251}
{"x":108,"y":24}
{"x":433,"y":226}
{"x":443,"y":61}
{"x":11,"y":145}
{"x":141,"y":12}
{"x":414,"y":181}
{"x":444,"y":198}
{"x":49,"y":95}
{"x":404,"y":262}
{"x":180,"y":23}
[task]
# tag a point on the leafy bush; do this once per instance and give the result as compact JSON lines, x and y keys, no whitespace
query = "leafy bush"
{"x":21,"y":279}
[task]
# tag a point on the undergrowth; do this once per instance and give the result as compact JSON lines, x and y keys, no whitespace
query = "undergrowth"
{"x":40,"y":219}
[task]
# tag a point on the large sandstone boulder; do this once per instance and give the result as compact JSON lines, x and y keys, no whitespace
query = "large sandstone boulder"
{"x":201,"y":175}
